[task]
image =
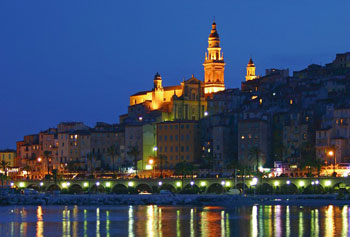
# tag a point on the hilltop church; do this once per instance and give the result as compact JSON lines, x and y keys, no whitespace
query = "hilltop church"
{"x":188,"y":100}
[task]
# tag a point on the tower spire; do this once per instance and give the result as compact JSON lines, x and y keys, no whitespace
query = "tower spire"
{"x":214,"y":64}
{"x":250,"y":70}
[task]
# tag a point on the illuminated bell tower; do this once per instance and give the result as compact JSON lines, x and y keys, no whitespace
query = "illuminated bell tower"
{"x":214,"y":64}
{"x":250,"y":71}
{"x":158,"y":92}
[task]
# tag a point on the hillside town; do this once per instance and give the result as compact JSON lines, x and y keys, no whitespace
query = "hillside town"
{"x":292,"y":124}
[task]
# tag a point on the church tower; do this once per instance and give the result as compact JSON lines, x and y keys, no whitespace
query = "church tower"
{"x":250,"y":70}
{"x":214,"y":64}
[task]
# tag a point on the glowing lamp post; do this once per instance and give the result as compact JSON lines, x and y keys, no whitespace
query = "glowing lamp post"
{"x":331,"y":153}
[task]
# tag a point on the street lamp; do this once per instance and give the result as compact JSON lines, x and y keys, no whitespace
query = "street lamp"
{"x":331,"y":153}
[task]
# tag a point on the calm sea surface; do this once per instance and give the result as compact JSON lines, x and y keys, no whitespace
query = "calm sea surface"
{"x":174,"y":221}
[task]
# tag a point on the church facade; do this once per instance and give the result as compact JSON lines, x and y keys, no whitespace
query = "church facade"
{"x":188,"y":100}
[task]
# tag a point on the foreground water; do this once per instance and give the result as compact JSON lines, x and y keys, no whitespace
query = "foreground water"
{"x":155,"y":220}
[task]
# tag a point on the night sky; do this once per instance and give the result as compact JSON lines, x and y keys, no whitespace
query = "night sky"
{"x":80,"y":60}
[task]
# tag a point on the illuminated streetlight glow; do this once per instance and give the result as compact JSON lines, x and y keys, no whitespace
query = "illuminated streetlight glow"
{"x":192,"y":183}
{"x":222,"y":183}
{"x":151,"y":161}
{"x":160,"y":183}
{"x":288,"y":182}
{"x":276,"y":183}
{"x":178,"y":184}
{"x":39,"y":159}
{"x":130,"y":184}
{"x":328,"y":183}
{"x":86,"y":184}
{"x":301,"y":183}
{"x":97,"y":183}
{"x":41,"y":184}
{"x":202,"y":183}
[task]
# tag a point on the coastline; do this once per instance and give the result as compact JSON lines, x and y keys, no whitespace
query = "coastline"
{"x":173,"y":200}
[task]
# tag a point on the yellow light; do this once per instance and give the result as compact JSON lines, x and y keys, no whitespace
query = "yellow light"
{"x":108,"y":184}
{"x":330,"y":153}
{"x":21,"y":185}
{"x":39,"y":159}
{"x":202,"y":183}
{"x":148,"y":167}
{"x":301,"y":183}
{"x":178,"y":184}
{"x":151,"y":161}
{"x":86,"y":184}
{"x":130,"y":184}
{"x":276,"y":183}
{"x":228,"y":184}
{"x":64,"y":185}
{"x":328,"y":183}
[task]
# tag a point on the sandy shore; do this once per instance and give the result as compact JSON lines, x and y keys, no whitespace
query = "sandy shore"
{"x":158,"y":199}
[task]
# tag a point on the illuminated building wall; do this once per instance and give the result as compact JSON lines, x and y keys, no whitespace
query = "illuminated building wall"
{"x":8,"y":156}
{"x":158,"y":96}
{"x":177,"y":141}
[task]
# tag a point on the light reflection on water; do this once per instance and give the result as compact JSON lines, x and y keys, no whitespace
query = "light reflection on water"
{"x":174,"y":221}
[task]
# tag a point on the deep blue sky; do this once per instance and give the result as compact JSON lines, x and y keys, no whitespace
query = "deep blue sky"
{"x":80,"y":60}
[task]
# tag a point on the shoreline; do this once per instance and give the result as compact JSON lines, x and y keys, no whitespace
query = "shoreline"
{"x":173,"y":200}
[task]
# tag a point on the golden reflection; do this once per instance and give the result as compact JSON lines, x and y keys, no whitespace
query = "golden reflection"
{"x":85,"y":222}
{"x":329,"y":222}
{"x":107,"y":224}
{"x":66,"y":222}
{"x":344,"y":215}
{"x":222,"y":223}
{"x":23,"y":226}
{"x":98,"y":221}
{"x":12,"y":228}
{"x":317,"y":226}
{"x":287,"y":221}
{"x":39,"y":222}
{"x":160,"y":222}
{"x":191,"y":223}
{"x":268,"y":225}
{"x":277,"y":218}
{"x":131,"y":222}
{"x":75,"y":220}
{"x":228,"y":224}
{"x":178,"y":224}
{"x":149,"y":222}
{"x":301,"y":223}
{"x":261,"y":220}
{"x":314,"y":222}
{"x":254,"y":221}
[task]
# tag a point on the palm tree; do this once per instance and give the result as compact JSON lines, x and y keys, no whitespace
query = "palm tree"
{"x":54,"y":174}
{"x":134,"y":152}
{"x":47,"y":156}
{"x":161,"y":160}
{"x":112,"y":151}
{"x":4,"y":165}
{"x":255,"y":153}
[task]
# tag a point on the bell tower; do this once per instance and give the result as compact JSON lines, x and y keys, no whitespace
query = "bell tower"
{"x":214,"y":64}
{"x":250,"y":70}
